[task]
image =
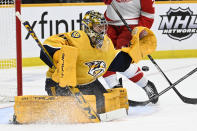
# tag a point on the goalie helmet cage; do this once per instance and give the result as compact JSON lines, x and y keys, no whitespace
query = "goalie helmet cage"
{"x":10,"y":51}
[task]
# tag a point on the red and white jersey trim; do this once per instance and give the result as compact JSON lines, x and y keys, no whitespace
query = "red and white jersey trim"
{"x":131,"y":10}
{"x":148,"y":15}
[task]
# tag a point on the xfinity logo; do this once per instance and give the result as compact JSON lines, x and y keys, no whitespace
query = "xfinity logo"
{"x":179,"y":24}
{"x":43,"y":23}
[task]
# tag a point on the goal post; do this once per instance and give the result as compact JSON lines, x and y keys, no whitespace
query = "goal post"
{"x":10,"y":51}
{"x":19,"y":49}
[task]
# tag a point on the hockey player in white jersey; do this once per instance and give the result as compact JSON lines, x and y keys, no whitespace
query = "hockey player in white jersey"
{"x":136,"y":13}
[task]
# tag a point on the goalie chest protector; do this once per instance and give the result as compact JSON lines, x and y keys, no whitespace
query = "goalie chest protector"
{"x":91,"y":62}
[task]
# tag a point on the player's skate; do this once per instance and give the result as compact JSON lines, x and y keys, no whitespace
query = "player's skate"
{"x":151,"y":91}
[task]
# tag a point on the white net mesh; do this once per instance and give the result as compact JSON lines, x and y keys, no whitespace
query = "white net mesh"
{"x":8,"y":79}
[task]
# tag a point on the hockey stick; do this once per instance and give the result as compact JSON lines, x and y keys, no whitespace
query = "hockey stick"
{"x":183,"y":98}
{"x":143,"y":103}
{"x":84,"y":105}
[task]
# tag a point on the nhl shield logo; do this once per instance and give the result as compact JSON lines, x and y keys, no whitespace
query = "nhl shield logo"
{"x":179,"y":24}
{"x":96,"y":68}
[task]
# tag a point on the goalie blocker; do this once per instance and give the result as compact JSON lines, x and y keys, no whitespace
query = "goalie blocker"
{"x":65,"y":109}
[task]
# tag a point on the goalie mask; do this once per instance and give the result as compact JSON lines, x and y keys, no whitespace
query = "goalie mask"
{"x":95,"y":26}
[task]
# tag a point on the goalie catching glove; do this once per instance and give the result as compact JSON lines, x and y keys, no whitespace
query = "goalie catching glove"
{"x":143,"y":42}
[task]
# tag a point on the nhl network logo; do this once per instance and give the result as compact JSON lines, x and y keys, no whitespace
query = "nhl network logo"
{"x":179,"y":24}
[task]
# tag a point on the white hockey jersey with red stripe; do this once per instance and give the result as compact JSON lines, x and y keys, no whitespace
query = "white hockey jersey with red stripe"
{"x":135,"y":12}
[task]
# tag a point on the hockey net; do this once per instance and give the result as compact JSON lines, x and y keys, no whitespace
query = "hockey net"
{"x":10,"y":48}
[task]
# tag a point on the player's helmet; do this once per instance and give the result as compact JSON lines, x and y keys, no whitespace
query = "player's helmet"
{"x":95,"y":25}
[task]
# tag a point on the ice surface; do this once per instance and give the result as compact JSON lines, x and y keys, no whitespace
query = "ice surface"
{"x":169,"y":114}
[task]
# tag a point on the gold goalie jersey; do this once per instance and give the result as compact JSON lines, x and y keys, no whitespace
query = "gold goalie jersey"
{"x":76,"y":61}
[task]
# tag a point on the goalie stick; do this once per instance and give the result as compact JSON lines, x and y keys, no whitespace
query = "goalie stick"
{"x":183,"y":98}
{"x":84,"y":105}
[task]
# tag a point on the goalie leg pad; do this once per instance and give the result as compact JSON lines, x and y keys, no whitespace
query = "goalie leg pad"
{"x":112,"y":101}
{"x":122,"y":97}
{"x":50,"y":109}
{"x":63,"y":109}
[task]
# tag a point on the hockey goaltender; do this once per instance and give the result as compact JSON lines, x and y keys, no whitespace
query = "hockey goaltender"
{"x":76,"y":59}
